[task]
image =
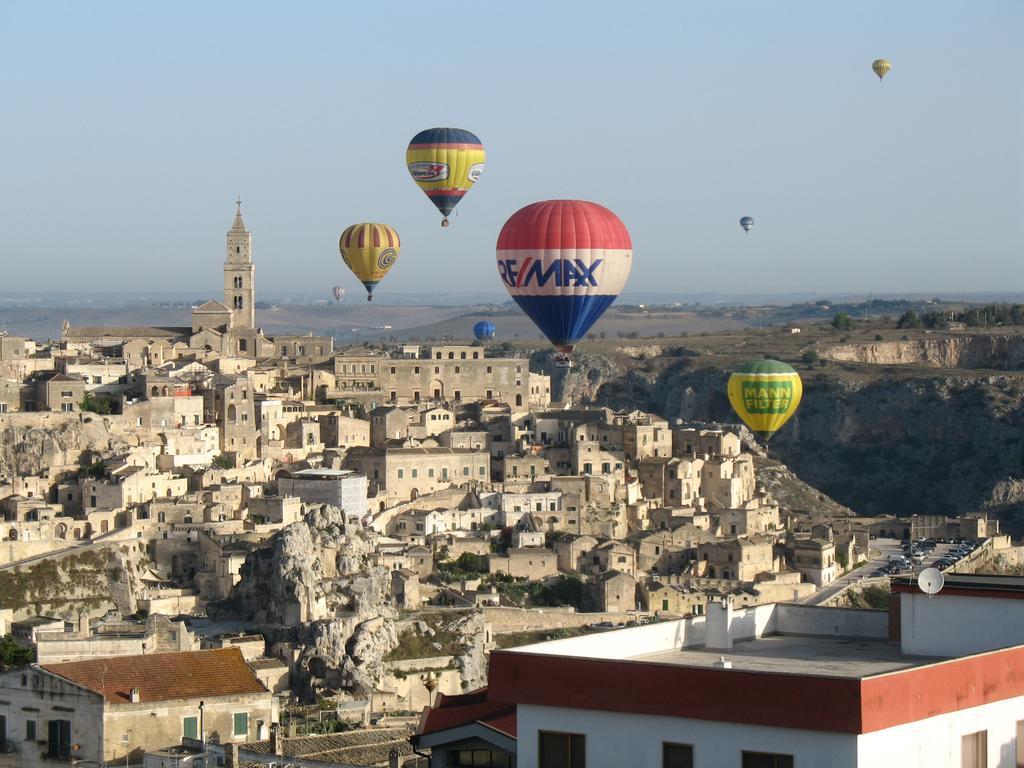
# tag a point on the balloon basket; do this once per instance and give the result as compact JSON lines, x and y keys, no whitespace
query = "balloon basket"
{"x":444,"y":222}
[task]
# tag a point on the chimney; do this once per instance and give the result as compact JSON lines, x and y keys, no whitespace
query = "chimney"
{"x":717,"y":628}
{"x":273,"y":738}
{"x":134,"y":694}
{"x":83,"y":624}
{"x":393,"y":758}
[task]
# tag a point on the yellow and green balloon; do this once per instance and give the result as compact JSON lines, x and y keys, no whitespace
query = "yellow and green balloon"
{"x":765,"y":393}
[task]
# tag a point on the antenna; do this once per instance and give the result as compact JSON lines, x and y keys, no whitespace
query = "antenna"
{"x":930,"y":580}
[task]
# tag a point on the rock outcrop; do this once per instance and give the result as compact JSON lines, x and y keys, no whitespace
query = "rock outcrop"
{"x":31,"y":443}
{"x":314,"y":585}
{"x":1002,"y":353}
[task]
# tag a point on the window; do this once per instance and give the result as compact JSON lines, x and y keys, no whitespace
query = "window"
{"x":401,"y":474}
{"x":676,"y":755}
{"x":30,"y":730}
{"x":465,"y":471}
{"x":478,"y":758}
{"x":561,"y":750}
{"x":415,"y":473}
{"x":489,"y":369}
{"x":974,"y":750}
{"x":241,"y":723}
{"x":766,"y":760}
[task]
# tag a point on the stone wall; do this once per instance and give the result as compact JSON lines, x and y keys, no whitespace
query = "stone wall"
{"x":503,"y":620}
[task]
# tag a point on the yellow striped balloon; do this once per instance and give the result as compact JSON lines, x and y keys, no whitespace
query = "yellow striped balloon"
{"x":369,"y":250}
{"x":881,"y":67}
{"x":765,"y":393}
{"x":445,"y":163}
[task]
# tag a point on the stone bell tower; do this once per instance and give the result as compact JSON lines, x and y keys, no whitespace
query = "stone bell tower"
{"x":239,"y":274}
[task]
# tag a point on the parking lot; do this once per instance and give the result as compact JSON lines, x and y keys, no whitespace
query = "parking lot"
{"x":890,"y":558}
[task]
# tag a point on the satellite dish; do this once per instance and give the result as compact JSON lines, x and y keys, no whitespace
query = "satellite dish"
{"x":930,"y":580}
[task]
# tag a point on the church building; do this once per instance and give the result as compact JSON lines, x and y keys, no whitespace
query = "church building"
{"x":219,"y":329}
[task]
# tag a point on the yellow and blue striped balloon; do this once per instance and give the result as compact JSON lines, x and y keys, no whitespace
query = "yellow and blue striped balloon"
{"x":445,"y":163}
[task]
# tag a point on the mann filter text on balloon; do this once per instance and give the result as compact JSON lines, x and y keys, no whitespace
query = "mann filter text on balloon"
{"x":533,"y":272}
{"x":767,"y":398}
{"x":475,"y":172}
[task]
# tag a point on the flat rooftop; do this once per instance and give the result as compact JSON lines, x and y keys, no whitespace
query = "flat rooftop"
{"x":799,"y":655}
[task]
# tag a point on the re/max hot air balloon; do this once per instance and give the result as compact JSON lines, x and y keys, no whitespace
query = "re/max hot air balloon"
{"x":747,"y":222}
{"x":445,"y":163}
{"x":564,"y":262}
{"x":339,"y":293}
{"x":484,"y":330}
{"x":881,"y":67}
{"x":765,"y":393}
{"x":369,"y":250}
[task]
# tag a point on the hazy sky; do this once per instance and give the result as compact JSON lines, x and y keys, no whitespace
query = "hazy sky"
{"x":128,"y":129}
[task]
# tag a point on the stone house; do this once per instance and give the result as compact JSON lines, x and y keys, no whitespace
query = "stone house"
{"x":676,"y":480}
{"x":816,"y":559}
{"x":740,"y":559}
{"x":644,"y":436}
{"x":58,"y":392}
{"x":405,"y":588}
{"x":613,"y":591}
{"x":612,"y":556}
{"x":341,"y":488}
{"x":677,"y":599}
{"x":533,"y":564}
{"x":404,"y":474}
{"x":571,"y":551}
{"x":114,"y":709}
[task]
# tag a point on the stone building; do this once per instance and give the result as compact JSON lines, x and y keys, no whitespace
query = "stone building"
{"x":739,"y":559}
{"x":613,"y":591}
{"x":444,"y":373}
{"x":531,"y":563}
{"x":404,"y":474}
{"x":115,"y":708}
{"x":340,"y":488}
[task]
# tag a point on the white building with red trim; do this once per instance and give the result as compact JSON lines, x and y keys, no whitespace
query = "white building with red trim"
{"x":938,"y":681}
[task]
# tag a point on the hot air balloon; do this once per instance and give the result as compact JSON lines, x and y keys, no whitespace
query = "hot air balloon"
{"x":747,"y":222}
{"x":445,"y":163}
{"x":484,"y":330}
{"x":339,"y":293}
{"x":881,"y":67}
{"x":765,"y":393}
{"x":369,"y":250}
{"x":564,"y":262}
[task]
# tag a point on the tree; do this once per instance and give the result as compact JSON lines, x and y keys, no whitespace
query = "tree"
{"x":842,"y":322}
{"x":224,"y":461}
{"x":810,"y":357}
{"x":909,"y":319}
{"x":101,"y":405}
{"x":13,"y":655}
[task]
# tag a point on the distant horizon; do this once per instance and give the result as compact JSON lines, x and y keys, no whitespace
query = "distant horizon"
{"x":467,"y":298}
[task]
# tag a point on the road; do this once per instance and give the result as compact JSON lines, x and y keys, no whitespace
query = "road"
{"x":881,"y":549}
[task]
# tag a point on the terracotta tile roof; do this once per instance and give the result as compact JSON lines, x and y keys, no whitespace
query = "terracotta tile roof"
{"x":367,"y":746}
{"x":453,"y":711}
{"x":162,"y":676}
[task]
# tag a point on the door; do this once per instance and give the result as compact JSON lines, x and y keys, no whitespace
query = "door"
{"x":58,"y":739}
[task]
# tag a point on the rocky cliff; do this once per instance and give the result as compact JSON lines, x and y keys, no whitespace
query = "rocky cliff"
{"x":314,"y":585}
{"x":1003,"y":353}
{"x":878,"y":439}
{"x":32,"y":442}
